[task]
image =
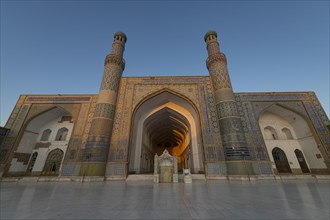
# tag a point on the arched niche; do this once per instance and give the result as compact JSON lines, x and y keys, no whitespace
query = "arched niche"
{"x":293,"y":133}
{"x":62,"y":134}
{"x":287,"y":133}
{"x":53,"y":162}
{"x":270,"y":133}
{"x":45,"y":135}
{"x":38,"y":138}
{"x":165,"y":121}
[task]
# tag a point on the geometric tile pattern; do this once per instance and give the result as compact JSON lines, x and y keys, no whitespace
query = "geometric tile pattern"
{"x":211,"y":107}
{"x":74,"y":145}
{"x":17,"y":119}
{"x":218,"y":57}
{"x":254,"y":132}
{"x":104,"y":110}
{"x":97,"y":146}
{"x":111,"y":79}
{"x":213,"y":153}
{"x":226,"y":109}
{"x":231,"y":130}
{"x":205,"y":114}
{"x":100,"y":129}
{"x":118,"y":169}
{"x":318,"y":108}
{"x":119,"y":106}
{"x":220,"y":77}
{"x":323,"y":132}
{"x":265,"y":168}
{"x":97,"y":153}
{"x":216,"y":169}
{"x":89,"y":120}
{"x":233,"y":137}
{"x":115,"y":60}
{"x":70,"y":170}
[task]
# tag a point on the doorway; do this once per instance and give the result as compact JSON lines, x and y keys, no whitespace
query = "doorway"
{"x":302,"y":161}
{"x":281,"y":161}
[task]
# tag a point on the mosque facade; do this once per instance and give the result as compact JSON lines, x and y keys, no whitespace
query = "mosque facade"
{"x":200,"y":120}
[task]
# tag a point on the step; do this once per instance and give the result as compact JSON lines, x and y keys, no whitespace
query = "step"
{"x":140,"y":177}
{"x":198,"y":177}
{"x":322,"y":177}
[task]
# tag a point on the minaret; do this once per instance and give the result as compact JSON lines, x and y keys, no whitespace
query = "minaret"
{"x":98,"y":143}
{"x":231,"y":129}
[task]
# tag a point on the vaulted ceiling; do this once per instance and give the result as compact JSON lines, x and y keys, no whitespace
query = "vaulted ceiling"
{"x":166,"y":128}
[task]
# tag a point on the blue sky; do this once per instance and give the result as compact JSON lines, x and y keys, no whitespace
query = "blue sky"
{"x":58,"y":47}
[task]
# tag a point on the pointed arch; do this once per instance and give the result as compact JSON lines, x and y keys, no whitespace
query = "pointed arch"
{"x":171,"y":107}
{"x":32,"y":162}
{"x":270,"y":133}
{"x":164,"y":90}
{"x":36,"y":135}
{"x":47,"y":109}
{"x":287,"y":133}
{"x":61,"y":134}
{"x":53,"y":162}
{"x":269,"y":107}
{"x":281,"y":161}
{"x":45,"y":135}
{"x":293,"y":131}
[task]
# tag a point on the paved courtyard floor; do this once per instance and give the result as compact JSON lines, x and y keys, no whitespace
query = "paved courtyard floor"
{"x":296,"y":199}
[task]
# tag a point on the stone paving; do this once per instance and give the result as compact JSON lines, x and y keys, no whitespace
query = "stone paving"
{"x":295,"y":199}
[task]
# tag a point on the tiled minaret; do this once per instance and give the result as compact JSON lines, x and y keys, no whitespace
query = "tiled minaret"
{"x":97,"y":146}
{"x":231,"y":129}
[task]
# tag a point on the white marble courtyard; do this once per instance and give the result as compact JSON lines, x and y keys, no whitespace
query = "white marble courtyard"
{"x":291,"y":199}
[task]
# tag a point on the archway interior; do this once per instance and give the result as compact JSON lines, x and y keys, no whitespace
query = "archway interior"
{"x":287,"y":130}
{"x":35,"y":142}
{"x":165,"y":121}
{"x":165,"y":129}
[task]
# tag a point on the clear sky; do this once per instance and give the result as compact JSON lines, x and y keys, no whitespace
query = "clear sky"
{"x":58,"y":47}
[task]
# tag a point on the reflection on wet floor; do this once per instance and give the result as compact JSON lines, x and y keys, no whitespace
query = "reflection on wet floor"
{"x":144,"y":200}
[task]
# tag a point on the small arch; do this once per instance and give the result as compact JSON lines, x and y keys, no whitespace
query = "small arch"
{"x":270,"y":133}
{"x":53,"y":162}
{"x":287,"y":133}
{"x":302,"y":161}
{"x":45,"y":135}
{"x":281,"y":161}
{"x":32,"y":162}
{"x":61,"y":134}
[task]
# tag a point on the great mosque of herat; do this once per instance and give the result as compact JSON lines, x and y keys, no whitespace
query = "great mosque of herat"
{"x":211,"y":130}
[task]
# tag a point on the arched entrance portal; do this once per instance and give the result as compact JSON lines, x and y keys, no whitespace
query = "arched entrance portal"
{"x":165,"y":121}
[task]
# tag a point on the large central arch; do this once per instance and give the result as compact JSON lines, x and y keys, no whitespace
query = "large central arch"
{"x":165,"y":121}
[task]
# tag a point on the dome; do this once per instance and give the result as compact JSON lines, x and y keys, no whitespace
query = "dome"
{"x":210,"y":33}
{"x":122,"y":34}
